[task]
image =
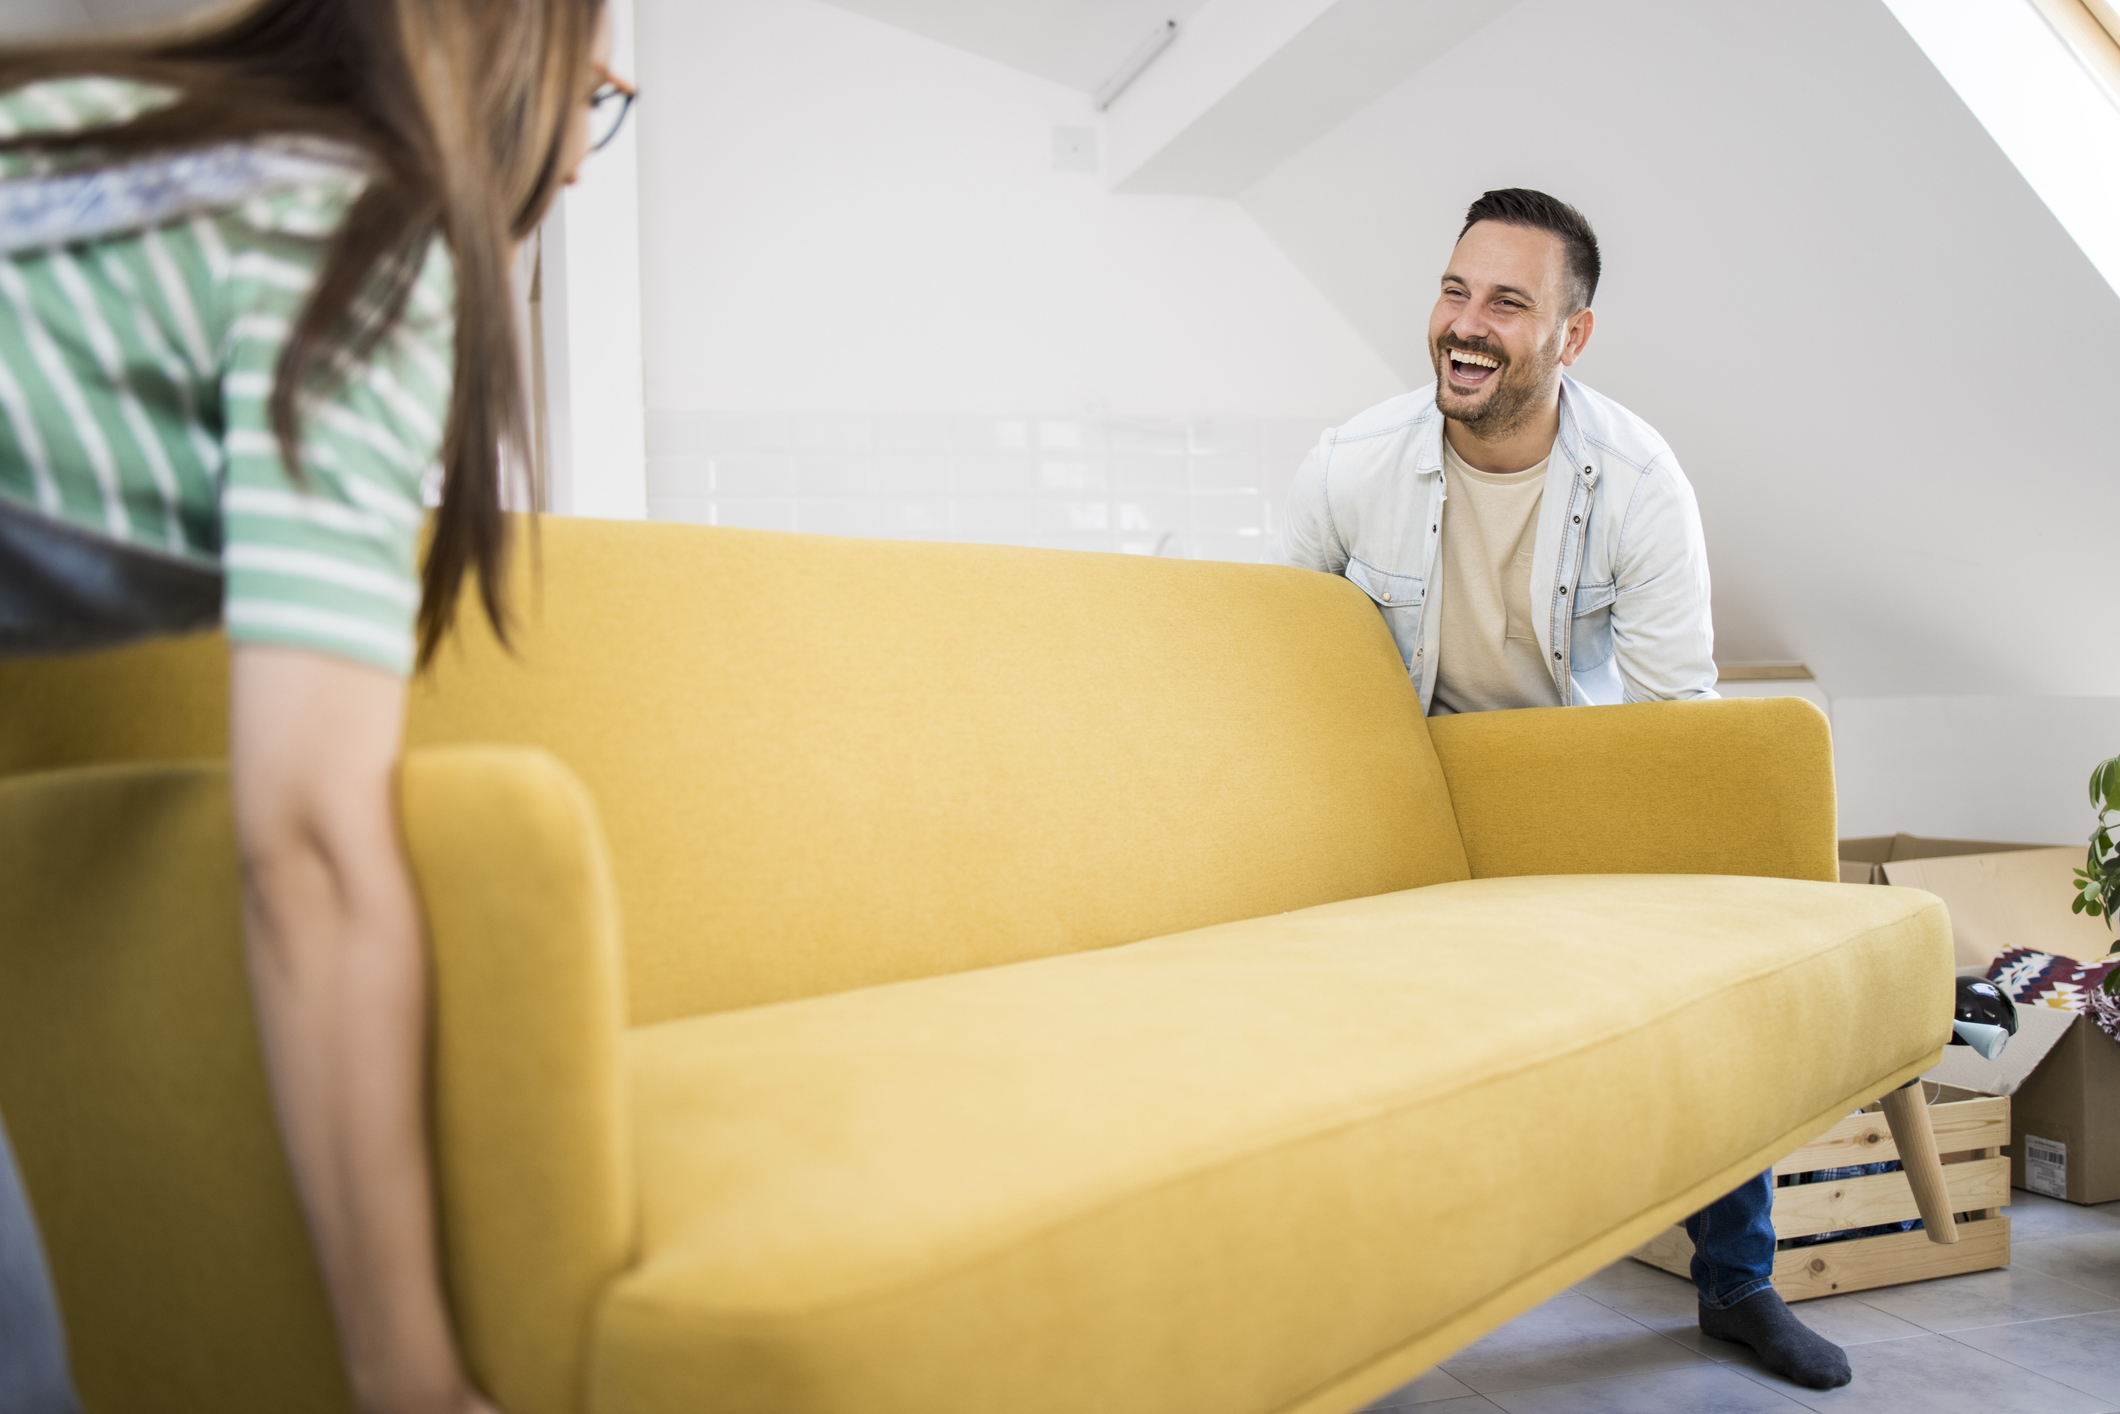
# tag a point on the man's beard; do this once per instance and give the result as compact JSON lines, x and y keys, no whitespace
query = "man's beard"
{"x":1518,"y":393}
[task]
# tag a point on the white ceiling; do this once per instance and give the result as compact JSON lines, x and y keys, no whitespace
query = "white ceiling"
{"x":1073,"y":42}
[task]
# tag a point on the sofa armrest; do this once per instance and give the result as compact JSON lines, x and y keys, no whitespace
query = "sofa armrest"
{"x":135,"y":1093}
{"x":533,"y":1158}
{"x":1729,"y":786}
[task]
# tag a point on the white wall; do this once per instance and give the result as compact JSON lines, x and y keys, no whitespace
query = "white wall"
{"x":1885,"y":364}
{"x":35,"y":19}
{"x":589,"y":249}
{"x":845,"y":224}
{"x":1977,"y":767}
{"x":1984,"y":768}
{"x":38,"y":19}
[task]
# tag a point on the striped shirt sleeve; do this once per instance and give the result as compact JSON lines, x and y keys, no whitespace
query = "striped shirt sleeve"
{"x":327,"y":561}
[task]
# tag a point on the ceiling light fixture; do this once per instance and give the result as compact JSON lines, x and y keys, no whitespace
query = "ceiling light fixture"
{"x":1141,"y":58}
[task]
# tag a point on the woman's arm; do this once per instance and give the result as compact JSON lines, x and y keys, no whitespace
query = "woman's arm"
{"x":339,"y":971}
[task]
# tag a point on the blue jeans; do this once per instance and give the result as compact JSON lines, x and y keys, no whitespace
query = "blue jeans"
{"x":33,"y":1374}
{"x":1733,"y":1244}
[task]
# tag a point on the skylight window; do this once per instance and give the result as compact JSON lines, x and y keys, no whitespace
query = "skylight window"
{"x":2058,"y":124}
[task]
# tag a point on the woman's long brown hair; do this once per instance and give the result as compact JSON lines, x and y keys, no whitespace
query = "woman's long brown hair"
{"x":463,"y":107}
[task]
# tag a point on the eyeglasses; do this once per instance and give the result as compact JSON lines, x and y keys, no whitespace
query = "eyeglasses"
{"x":608,"y":106}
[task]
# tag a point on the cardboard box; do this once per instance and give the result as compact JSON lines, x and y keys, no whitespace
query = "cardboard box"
{"x":2062,"y":1075}
{"x":2061,"y":1072}
{"x":1862,"y":860}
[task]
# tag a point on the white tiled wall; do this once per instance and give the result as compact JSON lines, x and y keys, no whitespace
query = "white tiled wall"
{"x":1198,"y":488}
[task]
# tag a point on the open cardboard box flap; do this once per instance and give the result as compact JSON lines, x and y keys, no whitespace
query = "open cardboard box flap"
{"x":1999,"y":901}
{"x":1862,"y":860}
{"x":2061,"y":1072}
{"x":2039,"y":1030}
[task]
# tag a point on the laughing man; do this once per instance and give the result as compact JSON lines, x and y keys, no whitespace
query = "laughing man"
{"x":1533,"y":544}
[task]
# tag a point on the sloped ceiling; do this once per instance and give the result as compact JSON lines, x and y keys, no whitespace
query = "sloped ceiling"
{"x":35,"y":19}
{"x":1073,"y":42}
{"x":1888,"y":371}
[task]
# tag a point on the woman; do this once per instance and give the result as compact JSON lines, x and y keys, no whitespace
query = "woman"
{"x":253,"y":294}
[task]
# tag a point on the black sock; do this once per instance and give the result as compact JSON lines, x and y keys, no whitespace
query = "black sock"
{"x":1784,"y":1344}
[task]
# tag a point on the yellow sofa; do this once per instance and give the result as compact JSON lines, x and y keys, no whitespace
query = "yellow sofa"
{"x":909,"y":979}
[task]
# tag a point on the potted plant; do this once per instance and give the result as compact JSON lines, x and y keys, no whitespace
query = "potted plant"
{"x":2098,"y":885}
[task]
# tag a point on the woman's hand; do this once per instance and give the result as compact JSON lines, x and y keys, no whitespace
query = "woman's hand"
{"x":339,"y":971}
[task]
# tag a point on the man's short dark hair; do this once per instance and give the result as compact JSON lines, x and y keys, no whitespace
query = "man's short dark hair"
{"x":1520,"y":206}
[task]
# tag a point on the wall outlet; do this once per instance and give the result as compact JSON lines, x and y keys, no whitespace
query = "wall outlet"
{"x":1074,"y":149}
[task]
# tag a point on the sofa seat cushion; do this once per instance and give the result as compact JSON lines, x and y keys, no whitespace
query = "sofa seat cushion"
{"x":1219,"y":1170}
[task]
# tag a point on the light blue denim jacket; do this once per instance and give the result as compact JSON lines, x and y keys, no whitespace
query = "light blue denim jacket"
{"x":1618,"y":561}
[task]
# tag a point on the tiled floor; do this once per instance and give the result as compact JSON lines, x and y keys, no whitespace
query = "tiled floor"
{"x":2041,"y":1336}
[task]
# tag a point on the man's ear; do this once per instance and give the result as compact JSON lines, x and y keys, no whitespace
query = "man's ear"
{"x":1580,"y":324}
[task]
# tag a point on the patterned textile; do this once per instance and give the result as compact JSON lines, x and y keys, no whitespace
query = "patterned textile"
{"x":2046,"y":979}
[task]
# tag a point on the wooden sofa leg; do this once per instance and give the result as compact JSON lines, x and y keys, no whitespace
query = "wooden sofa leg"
{"x":1907,"y":1112}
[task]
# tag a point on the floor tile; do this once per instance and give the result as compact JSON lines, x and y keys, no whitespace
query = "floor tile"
{"x":1934,"y":1374}
{"x":2035,"y":1217}
{"x":1672,"y":1311}
{"x":1469,"y":1404}
{"x":2086,"y":1259}
{"x":2014,"y":1293}
{"x":1695,"y":1389}
{"x":1427,"y":1389}
{"x":1851,"y":1320}
{"x":2082,"y":1352}
{"x":1626,"y":1274}
{"x":1844,"y":1320}
{"x":1569,"y":1338}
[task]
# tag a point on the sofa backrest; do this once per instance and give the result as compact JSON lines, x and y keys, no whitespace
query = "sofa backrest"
{"x":828,"y":763}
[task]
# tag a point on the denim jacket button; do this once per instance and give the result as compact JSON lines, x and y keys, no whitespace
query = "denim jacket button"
{"x":1387,"y":596}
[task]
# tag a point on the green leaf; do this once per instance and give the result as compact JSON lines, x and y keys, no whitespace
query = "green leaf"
{"x":2097,"y":884}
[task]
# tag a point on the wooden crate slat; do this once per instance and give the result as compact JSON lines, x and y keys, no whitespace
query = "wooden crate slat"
{"x":1803,"y":1209}
{"x":1831,"y":1268}
{"x":1670,"y":1249}
{"x":1976,"y":1126}
{"x":1866,"y":1139}
{"x":1860,"y":1263}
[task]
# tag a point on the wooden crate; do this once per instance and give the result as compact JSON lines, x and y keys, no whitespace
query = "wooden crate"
{"x":1970,"y":1131}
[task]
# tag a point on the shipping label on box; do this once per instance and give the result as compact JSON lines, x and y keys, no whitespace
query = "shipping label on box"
{"x":2045,"y":1166}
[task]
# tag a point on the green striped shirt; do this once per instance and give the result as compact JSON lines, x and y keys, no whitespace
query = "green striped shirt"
{"x":136,"y":369}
